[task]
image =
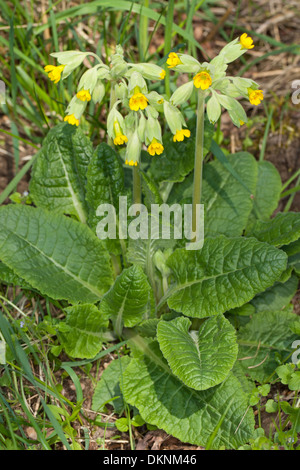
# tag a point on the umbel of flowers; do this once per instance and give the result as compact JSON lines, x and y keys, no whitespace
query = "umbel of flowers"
{"x":211,"y":79}
{"x":133,"y":118}
{"x":216,"y":89}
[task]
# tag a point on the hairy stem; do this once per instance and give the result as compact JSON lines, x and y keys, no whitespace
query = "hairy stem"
{"x":137,"y":188}
{"x":112,"y":101}
{"x":197,"y":188}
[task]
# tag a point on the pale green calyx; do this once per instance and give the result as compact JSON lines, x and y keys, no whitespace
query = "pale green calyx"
{"x":89,"y":79}
{"x":76,"y":107}
{"x":148,"y":71}
{"x":182,"y":94}
{"x":136,"y":80}
{"x":70,"y":59}
{"x":153,"y":130}
{"x":98,"y":92}
{"x":133,"y":149}
{"x":173,"y":117}
{"x":114,"y":116}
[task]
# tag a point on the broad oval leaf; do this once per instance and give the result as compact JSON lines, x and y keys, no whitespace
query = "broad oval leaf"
{"x":201,"y":359}
{"x":105,"y":181}
{"x":57,"y":255}
{"x":282,"y":230}
{"x":82,"y":331}
{"x":227,"y":202}
{"x":266,"y":196}
{"x":59,"y":173}
{"x":130,"y":299}
{"x":190,"y":415}
{"x":224,"y":274}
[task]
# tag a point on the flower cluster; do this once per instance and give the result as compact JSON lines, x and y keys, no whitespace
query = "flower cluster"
{"x":212,"y":80}
{"x":133,"y":118}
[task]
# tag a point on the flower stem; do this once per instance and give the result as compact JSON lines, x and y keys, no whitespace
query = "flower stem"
{"x":137,"y":183}
{"x":137,"y":189}
{"x":112,"y":101}
{"x":197,"y":188}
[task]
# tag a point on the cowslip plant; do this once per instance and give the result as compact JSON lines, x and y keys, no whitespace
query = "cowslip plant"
{"x":200,"y":326}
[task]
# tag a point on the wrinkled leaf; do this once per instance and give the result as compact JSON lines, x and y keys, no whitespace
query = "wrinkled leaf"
{"x":129,"y":300}
{"x":189,"y":415}
{"x":55,"y":254}
{"x":82,"y":332}
{"x":282,"y":230}
{"x":200,"y":359}
{"x":224,"y":274}
{"x":59,"y":173}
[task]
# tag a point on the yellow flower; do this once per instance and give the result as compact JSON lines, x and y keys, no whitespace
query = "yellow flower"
{"x":202,"y":80}
{"x":155,"y":148}
{"x":255,"y":96}
{"x":84,"y":95}
{"x":162,"y":74}
{"x":138,"y":101}
{"x":246,"y":41}
{"x":130,"y":163}
{"x":173,"y":60}
{"x":181,"y":134}
{"x":71,"y":119}
{"x":120,"y":138}
{"x":54,"y":73}
{"x":241,"y":122}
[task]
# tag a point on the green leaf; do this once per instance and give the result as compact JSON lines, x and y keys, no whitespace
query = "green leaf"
{"x":128,"y":301}
{"x":122,"y":424}
{"x":55,"y":254}
{"x":282,"y":230}
{"x":224,"y":274}
{"x":264,"y":341}
{"x":200,"y":359}
{"x":105,"y":181}
{"x":227,"y":202}
{"x":266,"y":196}
{"x":8,"y":276}
{"x":82,"y":335}
{"x":59,"y":172}
{"x":189,"y":415}
{"x":108,"y":388}
{"x":276,"y":297}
